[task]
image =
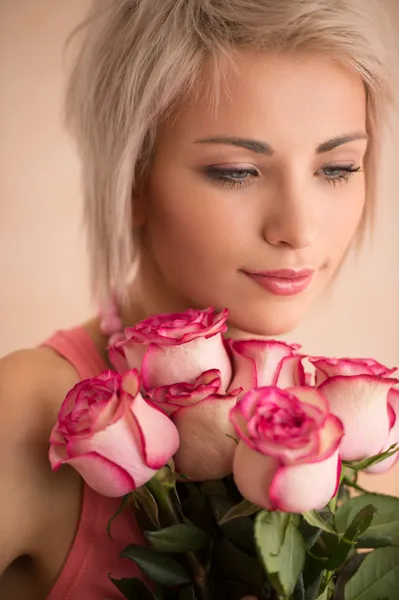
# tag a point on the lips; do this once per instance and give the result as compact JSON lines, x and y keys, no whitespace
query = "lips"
{"x":283,"y":282}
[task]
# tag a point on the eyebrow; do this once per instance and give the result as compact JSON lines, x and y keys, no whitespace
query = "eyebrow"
{"x":264,"y":148}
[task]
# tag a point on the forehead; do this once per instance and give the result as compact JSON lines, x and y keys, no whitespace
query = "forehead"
{"x":283,"y":99}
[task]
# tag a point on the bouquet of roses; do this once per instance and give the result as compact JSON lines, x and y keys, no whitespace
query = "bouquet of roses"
{"x":239,"y":464}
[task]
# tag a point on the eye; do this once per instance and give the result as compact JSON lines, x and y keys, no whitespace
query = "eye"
{"x":338,"y":173}
{"x":234,"y":177}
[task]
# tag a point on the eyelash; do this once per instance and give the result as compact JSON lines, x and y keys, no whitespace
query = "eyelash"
{"x":226,"y":176}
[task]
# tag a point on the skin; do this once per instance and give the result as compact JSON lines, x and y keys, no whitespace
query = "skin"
{"x":294,"y":208}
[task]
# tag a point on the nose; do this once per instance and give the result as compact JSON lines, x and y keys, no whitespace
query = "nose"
{"x":292,"y":218}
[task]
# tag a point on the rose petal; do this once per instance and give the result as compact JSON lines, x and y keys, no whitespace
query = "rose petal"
{"x":239,"y":422}
{"x":188,"y":393}
{"x":312,"y":396}
{"x":300,"y":488}
{"x":330,"y":367}
{"x":131,"y":382}
{"x":253,"y":475}
{"x":178,"y":328}
{"x":393,"y":438}
{"x":330,"y":437}
{"x":102,"y":475}
{"x":117,"y":356}
{"x":166,"y":407}
{"x":378,"y":368}
{"x":301,"y":447}
{"x":244,"y":371}
{"x":134,"y":353}
{"x":306,"y":451}
{"x":57,"y":450}
{"x":172,"y":364}
{"x":309,"y":379}
{"x":159,"y":434}
{"x":106,"y":415}
{"x":291,"y":372}
{"x":121,"y":443}
{"x":206,"y":451}
{"x":265,"y":356}
{"x":360,"y":402}
{"x":321,"y":445}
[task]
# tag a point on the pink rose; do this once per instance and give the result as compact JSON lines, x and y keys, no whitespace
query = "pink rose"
{"x":175,"y":347}
{"x":357,"y":391}
{"x":114,"y":438}
{"x":330,"y":367}
{"x":287,"y":458}
{"x":200,"y":412}
{"x":173,"y":397}
{"x":259,"y":363}
{"x":393,"y":437}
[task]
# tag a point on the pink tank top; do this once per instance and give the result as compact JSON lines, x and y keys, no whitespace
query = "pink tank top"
{"x":93,"y":554}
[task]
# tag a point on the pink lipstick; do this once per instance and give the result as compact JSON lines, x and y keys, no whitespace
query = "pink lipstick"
{"x":283,"y":282}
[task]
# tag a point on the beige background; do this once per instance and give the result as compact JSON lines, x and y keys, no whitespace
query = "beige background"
{"x":43,"y":263}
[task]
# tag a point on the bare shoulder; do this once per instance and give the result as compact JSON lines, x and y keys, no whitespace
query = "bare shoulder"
{"x":35,"y":369}
{"x":33,"y":384}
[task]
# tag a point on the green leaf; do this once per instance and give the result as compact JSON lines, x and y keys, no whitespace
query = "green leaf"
{"x":360,"y":523}
{"x":178,"y":538}
{"x":299,"y":590}
{"x":241,"y":532}
{"x":313,"y":518}
{"x":312,"y":581}
{"x":309,"y":533}
{"x":219,"y":506}
{"x":339,"y":548}
{"x":373,"y":460}
{"x":229,"y":563}
{"x":385,"y":522}
{"x":377,"y":576}
{"x":346,"y":572}
{"x":243,"y":509}
{"x":158,"y":566}
{"x":144,"y":499}
{"x":214,"y":488}
{"x":327,"y":592}
{"x":125,"y":501}
{"x":281,"y":549}
{"x":133,"y":588}
{"x":374,"y":541}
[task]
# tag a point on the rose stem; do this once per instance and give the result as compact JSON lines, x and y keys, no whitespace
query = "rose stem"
{"x":162,"y":494}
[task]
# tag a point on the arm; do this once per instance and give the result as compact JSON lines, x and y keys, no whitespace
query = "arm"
{"x":32,"y":385}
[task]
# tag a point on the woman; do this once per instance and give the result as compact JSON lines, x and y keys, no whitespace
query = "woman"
{"x":229,"y":152}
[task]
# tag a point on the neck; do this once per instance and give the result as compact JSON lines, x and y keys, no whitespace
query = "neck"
{"x":145,"y":300}
{"x":149,"y":295}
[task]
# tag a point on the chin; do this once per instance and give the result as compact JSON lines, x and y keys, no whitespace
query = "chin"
{"x":266,"y":322}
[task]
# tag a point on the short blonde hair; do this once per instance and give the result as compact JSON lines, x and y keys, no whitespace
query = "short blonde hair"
{"x":139,"y":57}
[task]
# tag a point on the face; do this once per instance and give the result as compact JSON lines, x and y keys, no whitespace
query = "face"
{"x":252,"y":205}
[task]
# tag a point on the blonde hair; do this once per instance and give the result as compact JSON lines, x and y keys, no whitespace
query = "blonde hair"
{"x":138,"y":58}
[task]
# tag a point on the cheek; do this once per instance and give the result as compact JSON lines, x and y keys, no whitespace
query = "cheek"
{"x":347,"y":216}
{"x":190,"y":221}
